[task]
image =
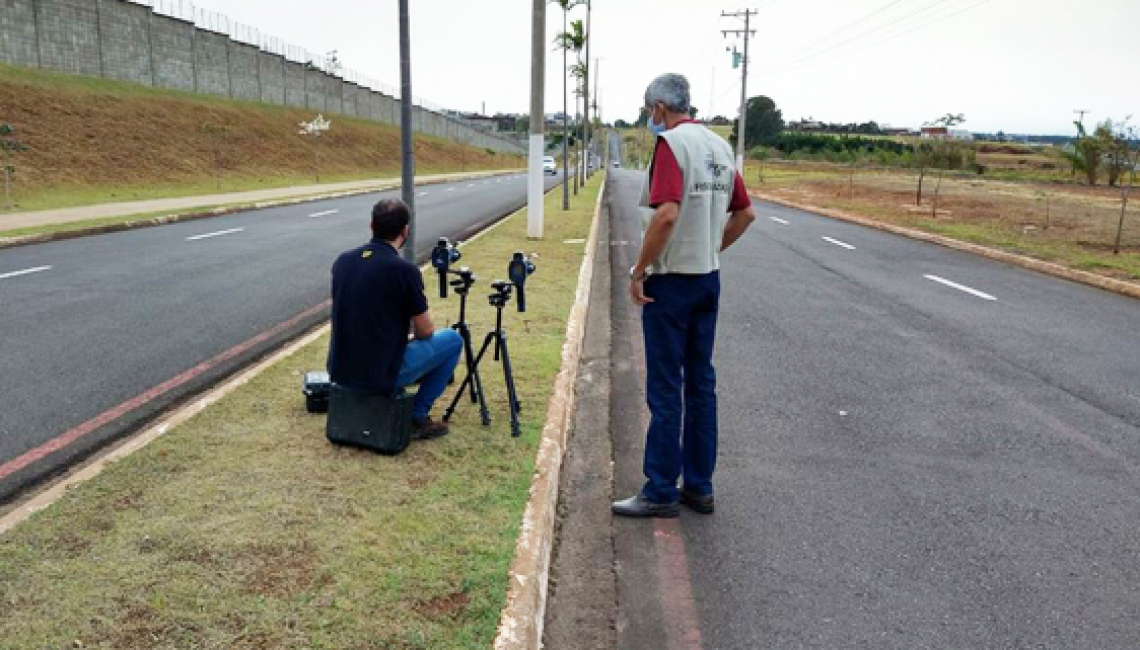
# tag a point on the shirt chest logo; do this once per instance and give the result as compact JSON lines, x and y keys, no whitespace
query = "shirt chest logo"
{"x":715,"y":169}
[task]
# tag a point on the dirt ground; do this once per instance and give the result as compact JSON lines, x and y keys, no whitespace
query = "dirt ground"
{"x":1065,"y":222}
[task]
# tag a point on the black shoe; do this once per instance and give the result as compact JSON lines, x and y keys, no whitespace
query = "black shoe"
{"x":702,"y":503}
{"x":639,"y":506}
{"x":426,"y":429}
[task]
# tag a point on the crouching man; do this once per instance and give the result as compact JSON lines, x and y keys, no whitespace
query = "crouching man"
{"x":377,"y":296}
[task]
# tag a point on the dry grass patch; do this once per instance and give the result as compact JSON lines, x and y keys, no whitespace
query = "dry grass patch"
{"x":1069,"y":224}
{"x":245,"y":528}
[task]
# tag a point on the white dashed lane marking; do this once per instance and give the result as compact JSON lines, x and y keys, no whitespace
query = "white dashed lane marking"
{"x":778,"y":220}
{"x":215,"y":234}
{"x":839,"y":243}
{"x":960,"y":287}
{"x":323,"y":214}
{"x":13,"y":274}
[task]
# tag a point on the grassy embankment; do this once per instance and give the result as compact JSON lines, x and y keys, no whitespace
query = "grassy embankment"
{"x":245,"y":528}
{"x":93,"y":140}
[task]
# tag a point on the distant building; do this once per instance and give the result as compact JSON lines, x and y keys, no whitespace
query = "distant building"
{"x":961,"y":134}
{"x":936,"y":132}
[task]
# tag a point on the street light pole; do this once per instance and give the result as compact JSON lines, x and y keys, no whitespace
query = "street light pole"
{"x":565,"y":129}
{"x":408,"y":172}
{"x":537,"y":120}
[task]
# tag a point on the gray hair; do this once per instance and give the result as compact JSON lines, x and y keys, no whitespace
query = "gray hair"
{"x":672,"y":90}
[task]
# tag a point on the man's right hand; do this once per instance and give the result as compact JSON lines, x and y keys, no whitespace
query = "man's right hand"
{"x":637,"y":292}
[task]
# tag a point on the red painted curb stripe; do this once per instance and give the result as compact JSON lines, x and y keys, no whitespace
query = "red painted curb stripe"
{"x":70,"y":436}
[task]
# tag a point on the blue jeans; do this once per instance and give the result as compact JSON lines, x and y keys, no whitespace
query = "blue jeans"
{"x":432,"y":361}
{"x":680,"y":383}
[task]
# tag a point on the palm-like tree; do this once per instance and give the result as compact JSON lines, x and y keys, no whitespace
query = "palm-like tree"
{"x":575,"y":40}
{"x":566,"y":6}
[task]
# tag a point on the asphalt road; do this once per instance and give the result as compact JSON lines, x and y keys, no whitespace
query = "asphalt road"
{"x":920,"y":448}
{"x":89,"y":324}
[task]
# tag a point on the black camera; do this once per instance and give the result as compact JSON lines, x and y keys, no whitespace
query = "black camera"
{"x":442,"y":257}
{"x":518,"y":270}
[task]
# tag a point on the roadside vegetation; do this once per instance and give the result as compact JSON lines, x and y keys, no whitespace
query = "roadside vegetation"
{"x":245,"y":528}
{"x":87,"y":140}
{"x":1064,"y":200}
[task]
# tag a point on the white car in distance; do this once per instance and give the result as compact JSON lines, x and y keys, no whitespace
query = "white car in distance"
{"x":549,"y":166}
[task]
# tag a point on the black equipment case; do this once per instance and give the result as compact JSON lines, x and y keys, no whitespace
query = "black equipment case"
{"x":377,"y":422}
{"x":316,"y":389}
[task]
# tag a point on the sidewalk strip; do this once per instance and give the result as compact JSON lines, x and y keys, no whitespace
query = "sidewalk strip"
{"x":13,"y":274}
{"x":524,"y":613}
{"x":323,"y":214}
{"x":839,"y":243}
{"x":960,"y":287}
{"x":70,"y":436}
{"x":215,"y":234}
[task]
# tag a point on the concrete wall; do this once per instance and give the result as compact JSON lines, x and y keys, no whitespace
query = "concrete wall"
{"x":271,"y":76}
{"x":244,"y":74}
{"x":211,"y":62}
{"x":18,"y":33}
{"x":67,"y":32}
{"x":127,"y":41}
{"x":294,"y":84}
{"x":124,"y":35}
{"x":172,"y":52}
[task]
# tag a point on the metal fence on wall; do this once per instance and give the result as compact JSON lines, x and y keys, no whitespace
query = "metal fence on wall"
{"x":328,"y":63}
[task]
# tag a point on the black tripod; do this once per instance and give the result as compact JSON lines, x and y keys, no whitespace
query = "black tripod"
{"x":497,"y":336}
{"x":462,"y":285}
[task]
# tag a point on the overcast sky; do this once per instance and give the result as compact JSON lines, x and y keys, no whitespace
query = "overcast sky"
{"x":1020,"y":66}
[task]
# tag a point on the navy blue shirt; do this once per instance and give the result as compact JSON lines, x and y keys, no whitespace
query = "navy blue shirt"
{"x":375,"y":294}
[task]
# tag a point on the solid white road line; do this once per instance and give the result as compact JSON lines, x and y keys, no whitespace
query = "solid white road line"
{"x":960,"y":287}
{"x":323,"y":214}
{"x":215,"y":234}
{"x":450,"y":189}
{"x":778,"y":220}
{"x":839,"y":243}
{"x":5,"y":276}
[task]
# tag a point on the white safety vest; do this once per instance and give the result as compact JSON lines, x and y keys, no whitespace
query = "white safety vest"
{"x":709,"y":173}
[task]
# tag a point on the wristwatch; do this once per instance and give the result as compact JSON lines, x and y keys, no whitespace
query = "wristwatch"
{"x":638,"y":277}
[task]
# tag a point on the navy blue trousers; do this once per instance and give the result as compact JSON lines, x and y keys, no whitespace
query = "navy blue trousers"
{"x":679,"y":327}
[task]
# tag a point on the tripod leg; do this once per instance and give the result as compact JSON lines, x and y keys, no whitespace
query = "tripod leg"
{"x":512,"y":396}
{"x":484,"y":414}
{"x":471,"y":381}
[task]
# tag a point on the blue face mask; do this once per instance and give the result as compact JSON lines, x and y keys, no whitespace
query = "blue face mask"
{"x":654,"y":127}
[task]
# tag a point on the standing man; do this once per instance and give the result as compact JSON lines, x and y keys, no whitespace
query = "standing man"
{"x":700,"y":207}
{"x":377,"y":297}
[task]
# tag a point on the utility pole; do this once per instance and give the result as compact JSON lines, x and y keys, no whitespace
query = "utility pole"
{"x":586,"y":101}
{"x":597,"y":74}
{"x":408,"y":171}
{"x":565,"y":129}
{"x":1081,"y":113}
{"x":537,"y":120}
{"x":747,"y":15}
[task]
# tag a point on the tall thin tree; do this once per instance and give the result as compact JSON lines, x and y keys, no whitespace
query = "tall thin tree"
{"x":575,"y":40}
{"x":566,"y":6}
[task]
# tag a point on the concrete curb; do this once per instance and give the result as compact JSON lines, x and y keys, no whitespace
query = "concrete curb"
{"x":194,"y":214}
{"x":520,"y":625}
{"x":1122,"y":287}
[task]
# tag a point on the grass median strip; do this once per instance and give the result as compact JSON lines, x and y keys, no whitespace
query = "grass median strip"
{"x":245,"y":528}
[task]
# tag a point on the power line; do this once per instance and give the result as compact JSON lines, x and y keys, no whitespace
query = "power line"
{"x":840,"y":31}
{"x":897,"y":21}
{"x":799,"y":63}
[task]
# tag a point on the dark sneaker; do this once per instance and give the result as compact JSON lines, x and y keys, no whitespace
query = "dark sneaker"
{"x":639,"y":506}
{"x":426,"y":429}
{"x":702,"y":503}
